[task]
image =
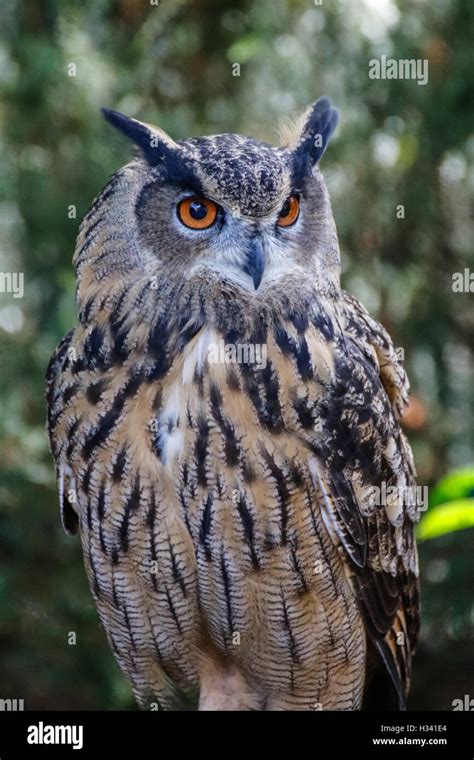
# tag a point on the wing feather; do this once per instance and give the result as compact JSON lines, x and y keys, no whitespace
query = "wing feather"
{"x":365,"y":448}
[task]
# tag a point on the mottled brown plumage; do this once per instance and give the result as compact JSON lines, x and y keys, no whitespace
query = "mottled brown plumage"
{"x":224,"y":508}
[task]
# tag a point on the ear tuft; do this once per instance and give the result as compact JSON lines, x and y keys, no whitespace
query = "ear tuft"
{"x":318,"y":124}
{"x":154,"y":143}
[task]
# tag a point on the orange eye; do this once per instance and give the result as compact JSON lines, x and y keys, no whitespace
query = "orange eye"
{"x":197,"y":213}
{"x":290,"y":212}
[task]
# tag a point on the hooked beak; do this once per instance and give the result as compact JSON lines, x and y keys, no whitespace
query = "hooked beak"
{"x":255,"y":262}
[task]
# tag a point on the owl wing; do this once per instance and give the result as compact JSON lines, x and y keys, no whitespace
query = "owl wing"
{"x":365,"y":479}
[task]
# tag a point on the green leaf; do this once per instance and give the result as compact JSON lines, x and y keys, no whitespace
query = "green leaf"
{"x":458,"y":484}
{"x":446,"y":518}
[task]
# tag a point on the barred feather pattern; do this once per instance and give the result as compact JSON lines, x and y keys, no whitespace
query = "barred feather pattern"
{"x":223,"y":508}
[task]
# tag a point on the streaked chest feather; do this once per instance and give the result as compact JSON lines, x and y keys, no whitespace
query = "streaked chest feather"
{"x":209,"y":475}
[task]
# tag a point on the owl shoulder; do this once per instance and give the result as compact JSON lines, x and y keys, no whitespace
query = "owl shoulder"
{"x":376,"y":341}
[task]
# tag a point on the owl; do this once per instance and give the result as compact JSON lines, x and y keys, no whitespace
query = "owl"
{"x":222,"y":419}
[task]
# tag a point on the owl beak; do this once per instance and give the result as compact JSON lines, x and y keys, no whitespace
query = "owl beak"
{"x":255,"y":262}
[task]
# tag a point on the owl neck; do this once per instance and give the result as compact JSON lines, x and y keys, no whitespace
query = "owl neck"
{"x":153,"y":323}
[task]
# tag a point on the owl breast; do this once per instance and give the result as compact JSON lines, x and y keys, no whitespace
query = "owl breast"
{"x":229,"y":436}
{"x":199,"y":497}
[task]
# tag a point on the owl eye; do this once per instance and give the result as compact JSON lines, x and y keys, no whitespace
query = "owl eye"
{"x":197,"y":213}
{"x":290,"y":212}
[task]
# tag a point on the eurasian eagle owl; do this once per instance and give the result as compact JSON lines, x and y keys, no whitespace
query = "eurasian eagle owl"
{"x":219,"y":419}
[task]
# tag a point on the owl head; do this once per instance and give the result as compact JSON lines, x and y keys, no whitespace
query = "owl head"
{"x":225,"y":209}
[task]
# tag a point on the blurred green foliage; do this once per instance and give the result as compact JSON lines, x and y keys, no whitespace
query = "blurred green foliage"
{"x":446,"y":518}
{"x":457,"y":484}
{"x":399,"y":144}
{"x":451,"y":505}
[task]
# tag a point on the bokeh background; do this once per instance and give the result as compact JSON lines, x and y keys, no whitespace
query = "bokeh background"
{"x":399,"y":143}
